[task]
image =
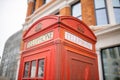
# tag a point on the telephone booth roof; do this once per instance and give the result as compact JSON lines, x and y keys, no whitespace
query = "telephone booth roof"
{"x":69,"y":21}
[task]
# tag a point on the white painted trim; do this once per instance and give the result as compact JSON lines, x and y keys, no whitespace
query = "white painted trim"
{"x":99,"y":64}
{"x":30,"y":1}
{"x":110,"y":10}
{"x":66,"y":4}
{"x":107,"y":29}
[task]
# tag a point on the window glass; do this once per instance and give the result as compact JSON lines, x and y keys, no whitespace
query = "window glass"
{"x":41,"y":68}
{"x":76,"y":10}
{"x":99,"y":4}
{"x":119,"y":50}
{"x":57,"y":13}
{"x":117,"y":14}
{"x":101,"y":12}
{"x":34,"y":6}
{"x":112,"y":53}
{"x":33,"y":69}
{"x":115,"y":63}
{"x":26,"y":69}
{"x":116,"y":3}
{"x":106,"y":78}
{"x":116,"y":7}
{"x":46,"y":1}
{"x":104,"y":54}
{"x":111,"y":64}
{"x":101,"y":17}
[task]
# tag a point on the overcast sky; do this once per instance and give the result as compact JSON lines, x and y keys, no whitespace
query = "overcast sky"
{"x":12,"y":16}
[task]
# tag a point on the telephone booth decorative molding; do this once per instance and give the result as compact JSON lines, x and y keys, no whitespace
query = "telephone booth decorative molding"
{"x":58,"y":48}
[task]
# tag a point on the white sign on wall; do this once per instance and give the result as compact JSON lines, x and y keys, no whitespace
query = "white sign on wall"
{"x":77,"y":40}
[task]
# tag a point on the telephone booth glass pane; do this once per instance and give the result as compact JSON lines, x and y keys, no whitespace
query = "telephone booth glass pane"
{"x":26,"y":69}
{"x":33,"y":69}
{"x":41,"y":68}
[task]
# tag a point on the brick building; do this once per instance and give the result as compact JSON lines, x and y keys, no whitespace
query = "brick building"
{"x":102,"y":16}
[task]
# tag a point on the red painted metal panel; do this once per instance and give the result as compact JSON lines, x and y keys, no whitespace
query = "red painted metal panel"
{"x":67,"y":46}
{"x":42,"y":23}
{"x":82,"y":67}
{"x":78,"y":25}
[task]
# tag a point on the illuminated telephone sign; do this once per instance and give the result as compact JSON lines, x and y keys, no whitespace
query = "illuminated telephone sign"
{"x":58,"y":48}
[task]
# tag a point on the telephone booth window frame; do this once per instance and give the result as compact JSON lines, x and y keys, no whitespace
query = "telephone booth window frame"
{"x":41,"y":64}
{"x":33,"y":69}
{"x":36,"y":72}
{"x":26,"y":67}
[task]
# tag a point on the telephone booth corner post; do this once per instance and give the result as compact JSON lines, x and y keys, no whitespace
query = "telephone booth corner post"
{"x":58,"y":48}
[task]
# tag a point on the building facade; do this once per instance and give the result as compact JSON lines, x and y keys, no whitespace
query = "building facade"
{"x":9,"y":62}
{"x":102,"y":16}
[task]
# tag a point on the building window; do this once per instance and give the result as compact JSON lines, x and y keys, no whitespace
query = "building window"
{"x":111,"y":63}
{"x":76,"y":10}
{"x":104,"y":54}
{"x":46,"y":1}
{"x":116,"y":7}
{"x":33,"y":69}
{"x":119,"y":50}
{"x":101,"y":12}
{"x":112,"y":53}
{"x":34,"y":4}
{"x":41,"y":68}
{"x":57,"y":13}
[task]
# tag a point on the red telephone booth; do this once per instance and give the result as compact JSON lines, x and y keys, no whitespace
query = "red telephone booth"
{"x":58,"y":48}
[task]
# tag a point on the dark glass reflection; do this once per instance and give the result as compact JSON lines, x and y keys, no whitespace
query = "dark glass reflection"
{"x":111,"y":63}
{"x":26,"y":69}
